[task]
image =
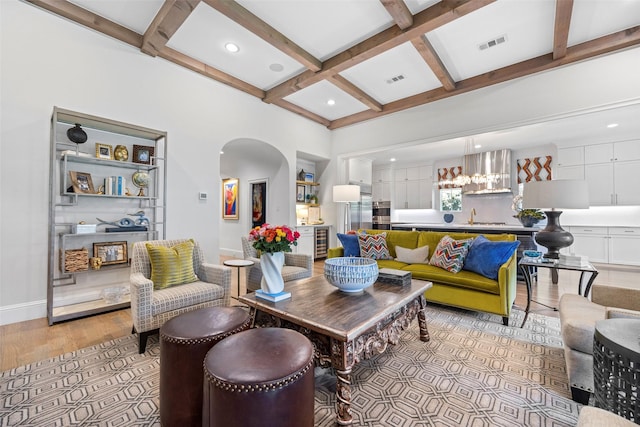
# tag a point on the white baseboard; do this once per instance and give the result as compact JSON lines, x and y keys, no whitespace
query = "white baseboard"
{"x":22,"y":312}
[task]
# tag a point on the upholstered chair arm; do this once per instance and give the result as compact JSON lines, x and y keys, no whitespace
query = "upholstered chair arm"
{"x":507,"y":281}
{"x":616,"y":296}
{"x":298,"y":260}
{"x":220,"y":275}
{"x":621,"y":313}
{"x":141,"y":290}
{"x":335,"y":252}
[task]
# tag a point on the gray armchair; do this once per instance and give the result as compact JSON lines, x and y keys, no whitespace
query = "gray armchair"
{"x":296,"y":266}
{"x":150,"y":307}
{"x":578,"y":317}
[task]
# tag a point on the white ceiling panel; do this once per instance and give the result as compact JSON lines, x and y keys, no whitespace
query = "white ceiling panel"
{"x":204,"y":35}
{"x":134,"y":15}
{"x":323,"y":27}
{"x":380,"y":75}
{"x":416,"y":6}
{"x":591,"y":19}
{"x":314,"y":98}
{"x":528,"y":26}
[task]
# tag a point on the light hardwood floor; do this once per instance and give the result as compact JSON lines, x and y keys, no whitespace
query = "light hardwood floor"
{"x":27,"y":342}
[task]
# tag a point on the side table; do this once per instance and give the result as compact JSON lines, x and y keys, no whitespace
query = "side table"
{"x":239,"y":263}
{"x":529,"y":268}
{"x":616,"y":367}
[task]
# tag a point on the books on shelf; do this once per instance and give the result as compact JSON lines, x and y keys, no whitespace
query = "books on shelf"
{"x":273,"y":297}
{"x":115,"y":186}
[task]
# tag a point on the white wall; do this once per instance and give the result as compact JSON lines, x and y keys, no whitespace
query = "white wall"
{"x":47,"y":61}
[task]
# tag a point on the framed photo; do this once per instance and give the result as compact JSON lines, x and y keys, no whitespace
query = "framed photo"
{"x":111,"y":252}
{"x":300,"y":193}
{"x":230,"y":198}
{"x":258,"y":203}
{"x":81,"y":182}
{"x":104,"y":151}
{"x":142,"y":154}
{"x":308,"y":177}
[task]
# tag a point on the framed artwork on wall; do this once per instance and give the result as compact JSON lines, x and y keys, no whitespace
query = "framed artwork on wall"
{"x":230,"y":198}
{"x":104,"y":151}
{"x":142,"y":154}
{"x":300,"y":193}
{"x":81,"y":182}
{"x":258,"y":203}
{"x":111,"y":252}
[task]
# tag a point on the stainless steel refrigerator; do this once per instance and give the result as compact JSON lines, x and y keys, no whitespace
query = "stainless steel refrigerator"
{"x":361,"y":213}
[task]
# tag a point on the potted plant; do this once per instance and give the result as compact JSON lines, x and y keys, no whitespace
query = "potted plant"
{"x":529,"y":217}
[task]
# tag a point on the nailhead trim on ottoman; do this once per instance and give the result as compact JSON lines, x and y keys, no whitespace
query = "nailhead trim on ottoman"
{"x":260,"y":377}
{"x":184,"y":342}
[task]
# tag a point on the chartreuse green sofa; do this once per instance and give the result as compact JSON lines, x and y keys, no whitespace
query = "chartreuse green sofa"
{"x":465,"y":289}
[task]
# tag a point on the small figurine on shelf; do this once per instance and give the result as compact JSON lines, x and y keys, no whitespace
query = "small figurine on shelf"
{"x":301,"y":175}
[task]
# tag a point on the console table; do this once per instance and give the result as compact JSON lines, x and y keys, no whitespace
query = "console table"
{"x":616,"y":367}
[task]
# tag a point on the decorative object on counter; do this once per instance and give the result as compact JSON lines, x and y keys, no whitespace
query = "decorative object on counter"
{"x":142,"y":154}
{"x":76,"y":260}
{"x":272,"y":242}
{"x":448,"y":218}
{"x":230,"y":198}
{"x":111,"y":252}
{"x":556,"y":194}
{"x":308,"y":177}
{"x":346,"y":194}
{"x":529,"y":217}
{"x":77,"y":134}
{"x":301,"y":175}
{"x":96,"y":263}
{"x":141,"y":221}
{"x":83,"y":228}
{"x":394,"y":276}
{"x":81,"y":183}
{"x":141,"y":180}
{"x":532,"y":254}
{"x":121,"y":153}
{"x":104,"y":151}
{"x":351,"y":274}
{"x":113,"y":295}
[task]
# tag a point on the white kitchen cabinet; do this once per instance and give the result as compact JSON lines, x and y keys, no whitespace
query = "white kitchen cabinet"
{"x":306,"y":241}
{"x":381,"y":191}
{"x":625,"y":182}
{"x":599,"y":179}
{"x":592,"y":242}
{"x":609,"y":245}
{"x":624,"y":245}
{"x":569,"y":172}
{"x":570,"y":156}
{"x":400,"y":195}
{"x":598,"y":153}
{"x":382,"y":175}
{"x":413,"y":188}
{"x":360,"y":171}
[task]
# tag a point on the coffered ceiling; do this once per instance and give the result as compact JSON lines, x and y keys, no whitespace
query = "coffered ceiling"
{"x":366,"y":58}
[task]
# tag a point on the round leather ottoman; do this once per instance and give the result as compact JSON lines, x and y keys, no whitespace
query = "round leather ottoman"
{"x":184,"y":342}
{"x":260,"y":377}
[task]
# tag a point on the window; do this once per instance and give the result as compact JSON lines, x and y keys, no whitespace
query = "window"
{"x":451,"y":199}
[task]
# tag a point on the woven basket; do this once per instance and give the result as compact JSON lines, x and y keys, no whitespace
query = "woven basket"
{"x":76,"y":260}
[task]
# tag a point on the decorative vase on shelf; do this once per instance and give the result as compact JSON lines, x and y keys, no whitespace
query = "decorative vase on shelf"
{"x":271,"y":266}
{"x":77,"y":134}
{"x":121,"y":153}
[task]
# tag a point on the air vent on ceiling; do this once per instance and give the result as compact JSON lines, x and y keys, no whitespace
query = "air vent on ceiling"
{"x":494,"y":42}
{"x":395,"y":79}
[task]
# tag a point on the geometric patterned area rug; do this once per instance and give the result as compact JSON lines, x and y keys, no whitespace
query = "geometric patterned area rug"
{"x":473,"y":372}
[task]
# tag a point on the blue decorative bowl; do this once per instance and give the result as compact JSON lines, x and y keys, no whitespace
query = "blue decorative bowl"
{"x":351,"y":274}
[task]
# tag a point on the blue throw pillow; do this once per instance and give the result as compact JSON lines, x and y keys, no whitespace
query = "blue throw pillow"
{"x":485,"y":257}
{"x":350,"y":244}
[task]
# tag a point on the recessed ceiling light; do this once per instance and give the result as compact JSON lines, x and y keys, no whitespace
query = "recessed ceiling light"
{"x":393,"y":159}
{"x":331,"y":102}
{"x":612,"y":125}
{"x":232,"y":47}
{"x":276,"y":67}
{"x":477,"y":146}
{"x":221,"y":152}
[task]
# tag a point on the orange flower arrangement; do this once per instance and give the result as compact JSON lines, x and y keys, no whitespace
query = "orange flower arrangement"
{"x":271,"y":239}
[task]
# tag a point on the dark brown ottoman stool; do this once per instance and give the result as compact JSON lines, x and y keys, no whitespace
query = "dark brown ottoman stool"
{"x":184,"y":342}
{"x":260,"y":377}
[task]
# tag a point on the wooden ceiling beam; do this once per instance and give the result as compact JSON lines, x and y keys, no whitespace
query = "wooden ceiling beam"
{"x":208,"y":71}
{"x":603,"y":45}
{"x":561,"y":27}
{"x":399,"y":12}
{"x":429,"y":19}
{"x":169,"y":18}
{"x":91,"y":20}
{"x":430,"y":56}
{"x":248,"y":20}
{"x":302,"y":112}
{"x":355,"y":91}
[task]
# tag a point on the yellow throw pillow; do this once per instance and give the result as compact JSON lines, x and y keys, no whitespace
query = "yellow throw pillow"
{"x":171,"y":266}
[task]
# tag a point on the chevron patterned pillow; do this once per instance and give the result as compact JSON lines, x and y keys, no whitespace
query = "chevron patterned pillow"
{"x":450,"y":254}
{"x":374,"y":246}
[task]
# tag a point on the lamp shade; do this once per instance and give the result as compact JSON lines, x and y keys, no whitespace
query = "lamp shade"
{"x":346,"y":193}
{"x":555,"y":194}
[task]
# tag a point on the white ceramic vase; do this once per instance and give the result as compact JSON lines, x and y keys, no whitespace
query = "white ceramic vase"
{"x":271,"y":266}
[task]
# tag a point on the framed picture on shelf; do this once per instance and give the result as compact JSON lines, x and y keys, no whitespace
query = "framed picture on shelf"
{"x":104,"y":151}
{"x":81,"y":182}
{"x":230,"y":198}
{"x":308,"y":177}
{"x":142,"y":154}
{"x":258,"y":202}
{"x":111,"y":252}
{"x":300,"y":193}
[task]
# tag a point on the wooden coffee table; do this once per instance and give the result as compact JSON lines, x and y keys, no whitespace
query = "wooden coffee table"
{"x":344,"y":328}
